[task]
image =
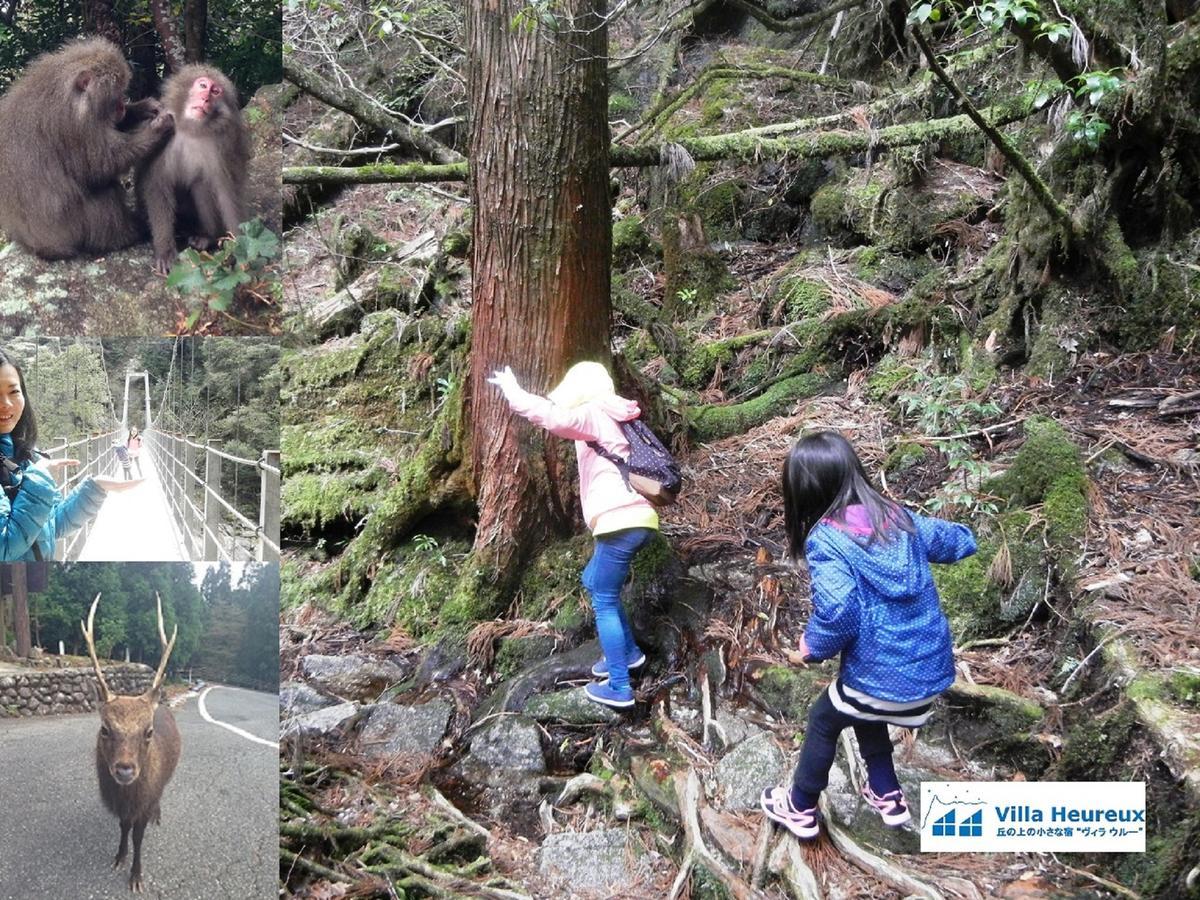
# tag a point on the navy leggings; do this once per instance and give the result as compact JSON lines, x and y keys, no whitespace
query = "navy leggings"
{"x":825,"y":724}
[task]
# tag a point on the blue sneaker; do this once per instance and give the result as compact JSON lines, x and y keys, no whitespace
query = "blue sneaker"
{"x":603,"y":693}
{"x":600,"y":669}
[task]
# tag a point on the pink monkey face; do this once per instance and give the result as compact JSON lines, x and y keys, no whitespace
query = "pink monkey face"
{"x":202,"y":97}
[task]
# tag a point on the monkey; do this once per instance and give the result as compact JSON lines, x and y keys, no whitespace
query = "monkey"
{"x":195,"y":184}
{"x":67,"y":136}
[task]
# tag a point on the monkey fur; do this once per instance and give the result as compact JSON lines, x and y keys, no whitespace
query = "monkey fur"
{"x":66,"y":138}
{"x":194,"y":187}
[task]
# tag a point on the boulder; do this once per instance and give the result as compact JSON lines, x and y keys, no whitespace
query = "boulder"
{"x":512,"y":743}
{"x":746,"y":770}
{"x":330,"y":722}
{"x":351,"y":677}
{"x":589,"y":860}
{"x":394,"y":730}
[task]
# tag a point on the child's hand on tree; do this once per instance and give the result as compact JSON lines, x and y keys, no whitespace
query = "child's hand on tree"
{"x":507,"y":382}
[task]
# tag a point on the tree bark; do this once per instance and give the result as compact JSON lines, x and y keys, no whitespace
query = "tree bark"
{"x":20,"y":594}
{"x":195,"y":28}
{"x":168,"y":34}
{"x":541,"y":252}
{"x":100,"y":18}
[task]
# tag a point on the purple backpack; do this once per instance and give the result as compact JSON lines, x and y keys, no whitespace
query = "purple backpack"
{"x":651,"y":470}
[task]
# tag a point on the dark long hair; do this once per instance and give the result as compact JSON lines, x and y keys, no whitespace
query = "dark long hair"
{"x":24,"y":435}
{"x":822,"y":475}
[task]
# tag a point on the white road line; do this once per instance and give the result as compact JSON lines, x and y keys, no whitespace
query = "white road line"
{"x":207,"y":718}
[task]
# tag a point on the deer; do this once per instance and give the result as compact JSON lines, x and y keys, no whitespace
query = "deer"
{"x":137,"y":749}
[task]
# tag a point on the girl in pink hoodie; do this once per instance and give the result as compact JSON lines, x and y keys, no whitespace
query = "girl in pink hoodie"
{"x":585,"y":407}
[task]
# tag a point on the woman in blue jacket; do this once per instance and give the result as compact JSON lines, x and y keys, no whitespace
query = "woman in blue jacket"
{"x":874,"y":602}
{"x":33,"y":513}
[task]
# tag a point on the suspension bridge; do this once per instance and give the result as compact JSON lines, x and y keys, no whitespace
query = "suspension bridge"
{"x":192,"y":502}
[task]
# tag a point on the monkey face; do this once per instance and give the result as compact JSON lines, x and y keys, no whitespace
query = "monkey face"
{"x":203,"y":98}
{"x":12,"y":399}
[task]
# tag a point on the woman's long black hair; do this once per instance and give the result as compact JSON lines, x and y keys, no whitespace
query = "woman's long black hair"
{"x":822,"y":475}
{"x":24,"y":435}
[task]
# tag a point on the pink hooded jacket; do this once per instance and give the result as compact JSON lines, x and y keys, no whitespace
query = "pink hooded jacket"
{"x":608,"y":504}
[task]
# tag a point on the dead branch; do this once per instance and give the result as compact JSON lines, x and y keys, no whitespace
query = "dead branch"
{"x":873,"y":864}
{"x":687,"y":788}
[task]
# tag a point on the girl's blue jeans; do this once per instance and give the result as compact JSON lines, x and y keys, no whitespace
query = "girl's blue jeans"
{"x":603,"y":577}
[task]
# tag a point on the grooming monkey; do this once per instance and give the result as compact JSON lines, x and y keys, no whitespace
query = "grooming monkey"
{"x":194,"y":185}
{"x":67,"y":136}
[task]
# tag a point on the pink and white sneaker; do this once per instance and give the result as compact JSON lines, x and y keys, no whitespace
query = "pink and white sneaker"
{"x":776,"y":802}
{"x":891,"y":806}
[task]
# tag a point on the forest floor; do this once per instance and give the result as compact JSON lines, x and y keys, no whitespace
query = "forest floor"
{"x":1142,"y":528}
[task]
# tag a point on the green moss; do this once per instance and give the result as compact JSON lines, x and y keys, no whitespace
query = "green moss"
{"x":1065,"y":508}
{"x":631,"y":242}
{"x":1047,"y":457}
{"x":652,"y":561}
{"x":1162,"y":871}
{"x":828,"y":207}
{"x":792,"y":691}
{"x":515,"y":654}
{"x":805,"y":298}
{"x":903,"y":457}
{"x":976,"y":605}
{"x":1096,"y":747}
{"x":719,"y":206}
{"x":551,"y":580}
{"x":888,"y":377}
{"x":620,"y":105}
{"x":310,"y":502}
{"x":710,"y":423}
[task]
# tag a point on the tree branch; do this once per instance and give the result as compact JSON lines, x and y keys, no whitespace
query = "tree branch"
{"x":367,"y":112}
{"x":736,"y":145}
{"x":1014,"y":156}
{"x":801,"y":23}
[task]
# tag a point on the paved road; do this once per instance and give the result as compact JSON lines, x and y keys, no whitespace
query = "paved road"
{"x":219,"y":834}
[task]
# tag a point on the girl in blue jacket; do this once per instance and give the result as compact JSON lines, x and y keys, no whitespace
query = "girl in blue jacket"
{"x":33,"y":514}
{"x":874,"y":602}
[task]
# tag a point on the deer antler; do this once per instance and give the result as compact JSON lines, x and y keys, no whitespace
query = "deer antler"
{"x":167,"y":646}
{"x":89,"y":636}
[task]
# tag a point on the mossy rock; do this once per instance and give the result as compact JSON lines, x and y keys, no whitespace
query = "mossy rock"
{"x":1096,"y":747}
{"x":1048,"y":470}
{"x":903,"y":457}
{"x":889,"y":377}
{"x":793,"y":691}
{"x":720,"y":207}
{"x":621,"y":105}
{"x":515,"y":653}
{"x":976,"y":605}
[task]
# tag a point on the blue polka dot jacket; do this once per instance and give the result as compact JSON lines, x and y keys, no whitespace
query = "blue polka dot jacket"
{"x":875,"y":603}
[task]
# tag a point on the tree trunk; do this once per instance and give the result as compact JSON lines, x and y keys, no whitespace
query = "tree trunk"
{"x":100,"y":18}
{"x":540,"y":255}
{"x":168,"y":34}
{"x":20,"y":594}
{"x":195,"y":27}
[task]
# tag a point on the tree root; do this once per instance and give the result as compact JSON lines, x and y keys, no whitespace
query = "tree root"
{"x":687,"y":788}
{"x":788,"y":862}
{"x":873,"y":864}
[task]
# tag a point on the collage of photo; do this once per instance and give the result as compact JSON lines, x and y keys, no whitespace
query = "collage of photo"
{"x":600,"y":449}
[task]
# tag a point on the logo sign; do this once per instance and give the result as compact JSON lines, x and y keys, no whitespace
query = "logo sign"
{"x":1039,"y":816}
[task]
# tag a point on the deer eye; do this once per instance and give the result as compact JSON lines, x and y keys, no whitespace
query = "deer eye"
{"x":104,"y":732}
{"x":150,"y":732}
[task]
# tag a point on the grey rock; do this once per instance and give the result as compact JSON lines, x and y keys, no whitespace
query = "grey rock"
{"x":754,"y":764}
{"x":322,"y":723}
{"x":353,"y":677}
{"x":572,"y":707}
{"x":509,"y":742}
{"x":589,"y":860}
{"x":735,"y":728}
{"x":392,"y":730}
{"x":850,"y":810}
{"x":296,"y":698}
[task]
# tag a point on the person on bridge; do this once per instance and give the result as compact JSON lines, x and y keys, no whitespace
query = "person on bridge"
{"x":33,"y":512}
{"x":134,"y":445}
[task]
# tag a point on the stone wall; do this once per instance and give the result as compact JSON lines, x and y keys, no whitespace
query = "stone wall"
{"x":49,"y":692}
